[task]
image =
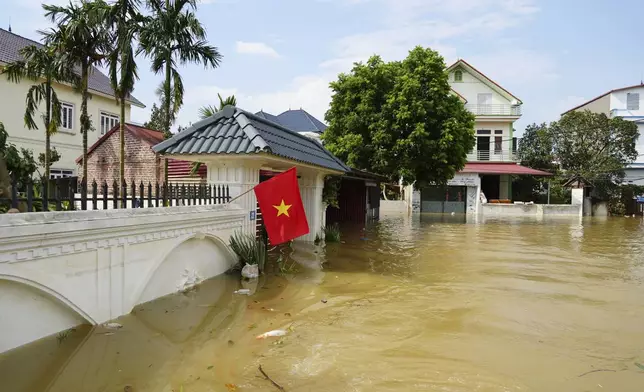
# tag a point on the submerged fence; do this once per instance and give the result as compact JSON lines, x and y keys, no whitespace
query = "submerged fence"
{"x":62,"y":195}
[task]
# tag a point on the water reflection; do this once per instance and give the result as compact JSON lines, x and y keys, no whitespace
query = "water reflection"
{"x":439,"y":303}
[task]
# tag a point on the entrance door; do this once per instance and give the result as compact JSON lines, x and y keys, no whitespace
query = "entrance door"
{"x":483,"y":148}
{"x":490,"y":185}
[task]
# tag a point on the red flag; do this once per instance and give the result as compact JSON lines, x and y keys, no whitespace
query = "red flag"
{"x":282,"y":209}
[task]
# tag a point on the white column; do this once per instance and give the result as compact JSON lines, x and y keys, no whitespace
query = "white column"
{"x":311,"y":187}
{"x":240,"y":176}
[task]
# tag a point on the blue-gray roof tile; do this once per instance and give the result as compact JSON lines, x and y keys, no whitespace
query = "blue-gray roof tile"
{"x":235,"y":131}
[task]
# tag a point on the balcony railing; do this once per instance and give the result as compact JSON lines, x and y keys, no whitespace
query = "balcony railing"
{"x":494,"y":110}
{"x":492,"y":156}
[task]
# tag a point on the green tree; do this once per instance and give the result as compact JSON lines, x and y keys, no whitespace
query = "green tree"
{"x":400,"y":119}
{"x":536,"y":149}
{"x":173,"y":36}
{"x":125,"y":21}
{"x":44,"y":66}
{"x":82,"y":33}
{"x":19,"y":164}
{"x":157,"y":118}
{"x":595,"y":147}
{"x":210,"y":110}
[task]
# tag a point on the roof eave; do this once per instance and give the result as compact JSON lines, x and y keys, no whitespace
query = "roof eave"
{"x":495,"y":84}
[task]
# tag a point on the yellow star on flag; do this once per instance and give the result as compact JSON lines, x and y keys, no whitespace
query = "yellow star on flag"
{"x":282,"y":209}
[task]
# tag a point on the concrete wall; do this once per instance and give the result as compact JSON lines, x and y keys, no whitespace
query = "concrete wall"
{"x":601,"y":105}
{"x":618,"y":102}
{"x":393,"y":206}
{"x":59,"y":269}
{"x":67,"y":142}
{"x":499,"y":210}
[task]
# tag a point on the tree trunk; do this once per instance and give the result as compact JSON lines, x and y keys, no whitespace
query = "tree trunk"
{"x":47,"y":122}
{"x":167,"y":92}
{"x":122,"y":140}
{"x":84,"y":118}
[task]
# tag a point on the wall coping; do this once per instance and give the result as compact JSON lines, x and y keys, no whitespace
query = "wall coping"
{"x":69,"y":227}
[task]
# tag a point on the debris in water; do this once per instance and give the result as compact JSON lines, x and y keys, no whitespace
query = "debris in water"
{"x":252,"y":326}
{"x":596,"y":370}
{"x":278,"y":386}
{"x":128,"y":388}
{"x":231,"y":343}
{"x":287,"y":314}
{"x":210,"y":367}
{"x":639,"y":365}
{"x":273,"y":333}
{"x":231,"y":387}
{"x":112,"y":325}
{"x":324,"y":300}
{"x":243,"y":291}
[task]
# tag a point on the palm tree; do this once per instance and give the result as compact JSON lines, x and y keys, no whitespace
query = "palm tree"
{"x":126,"y":20}
{"x":81,"y":32}
{"x":44,"y":65}
{"x":210,"y":110}
{"x":173,"y":36}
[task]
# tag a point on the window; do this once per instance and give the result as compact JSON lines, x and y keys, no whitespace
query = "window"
{"x":498,"y":144}
{"x":515,"y":144}
{"x":484,"y":132}
{"x":498,"y":132}
{"x":108,"y":121}
{"x":60,"y":173}
{"x":458,"y":76}
{"x":632,"y":101}
{"x":66,"y":116}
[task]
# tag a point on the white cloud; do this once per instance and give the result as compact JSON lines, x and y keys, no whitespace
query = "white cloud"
{"x":258,"y":48}
{"x":308,"y":92}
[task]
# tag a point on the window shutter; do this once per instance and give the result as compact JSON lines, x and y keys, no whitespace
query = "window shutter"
{"x":632,"y":101}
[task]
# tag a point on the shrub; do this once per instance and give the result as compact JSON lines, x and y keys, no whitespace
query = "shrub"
{"x":248,"y":249}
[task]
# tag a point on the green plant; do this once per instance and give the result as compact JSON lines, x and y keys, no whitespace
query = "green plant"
{"x":331,"y":233}
{"x":248,"y":249}
{"x":331,"y":190}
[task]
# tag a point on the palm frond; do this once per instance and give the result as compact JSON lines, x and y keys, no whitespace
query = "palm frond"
{"x":207,"y":111}
{"x":35,"y":95}
{"x":55,"y":119}
{"x":177,"y":90}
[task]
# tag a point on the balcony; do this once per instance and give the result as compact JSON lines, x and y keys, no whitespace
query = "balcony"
{"x":494,"y":110}
{"x":492,"y":156}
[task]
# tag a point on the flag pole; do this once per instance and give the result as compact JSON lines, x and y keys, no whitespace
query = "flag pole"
{"x":240,"y":195}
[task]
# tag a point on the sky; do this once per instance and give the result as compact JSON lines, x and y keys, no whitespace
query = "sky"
{"x":281,"y":54}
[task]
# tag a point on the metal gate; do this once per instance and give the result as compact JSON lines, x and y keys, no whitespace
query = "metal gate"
{"x":443,"y":200}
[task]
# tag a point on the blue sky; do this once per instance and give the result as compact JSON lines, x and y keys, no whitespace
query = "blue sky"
{"x":283,"y":53}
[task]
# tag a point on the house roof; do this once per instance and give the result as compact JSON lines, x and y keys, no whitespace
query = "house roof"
{"x":11,"y":44}
{"x":236,"y":131}
{"x":602,"y":96}
{"x":302,"y":121}
{"x":502,"y":168}
{"x":150,"y":136}
{"x":267,"y":116}
{"x":494,"y":84}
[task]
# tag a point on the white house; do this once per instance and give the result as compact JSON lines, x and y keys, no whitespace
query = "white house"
{"x":628,"y":103}
{"x":102,"y":107}
{"x":492,"y":162}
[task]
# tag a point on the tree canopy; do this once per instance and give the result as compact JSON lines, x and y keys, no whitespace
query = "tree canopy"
{"x":590,"y":145}
{"x":400,"y":119}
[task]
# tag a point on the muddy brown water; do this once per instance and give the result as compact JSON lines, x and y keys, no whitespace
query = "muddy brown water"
{"x":427,"y":304}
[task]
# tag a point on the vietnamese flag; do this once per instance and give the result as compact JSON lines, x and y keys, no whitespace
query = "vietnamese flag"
{"x":282,"y":209}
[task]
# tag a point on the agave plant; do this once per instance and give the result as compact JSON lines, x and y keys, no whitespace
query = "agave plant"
{"x":248,"y":249}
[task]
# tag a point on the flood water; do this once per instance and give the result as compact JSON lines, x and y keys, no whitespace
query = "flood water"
{"x":425,"y":304}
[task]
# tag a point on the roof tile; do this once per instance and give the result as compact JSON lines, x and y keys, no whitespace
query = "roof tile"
{"x":236,"y":131}
{"x":11,"y":44}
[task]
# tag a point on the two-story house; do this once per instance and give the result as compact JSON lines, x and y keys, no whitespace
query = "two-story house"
{"x":102,"y":107}
{"x":487,"y":176}
{"x":628,"y":103}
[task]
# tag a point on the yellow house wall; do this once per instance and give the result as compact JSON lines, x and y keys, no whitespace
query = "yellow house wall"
{"x":68,"y":143}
